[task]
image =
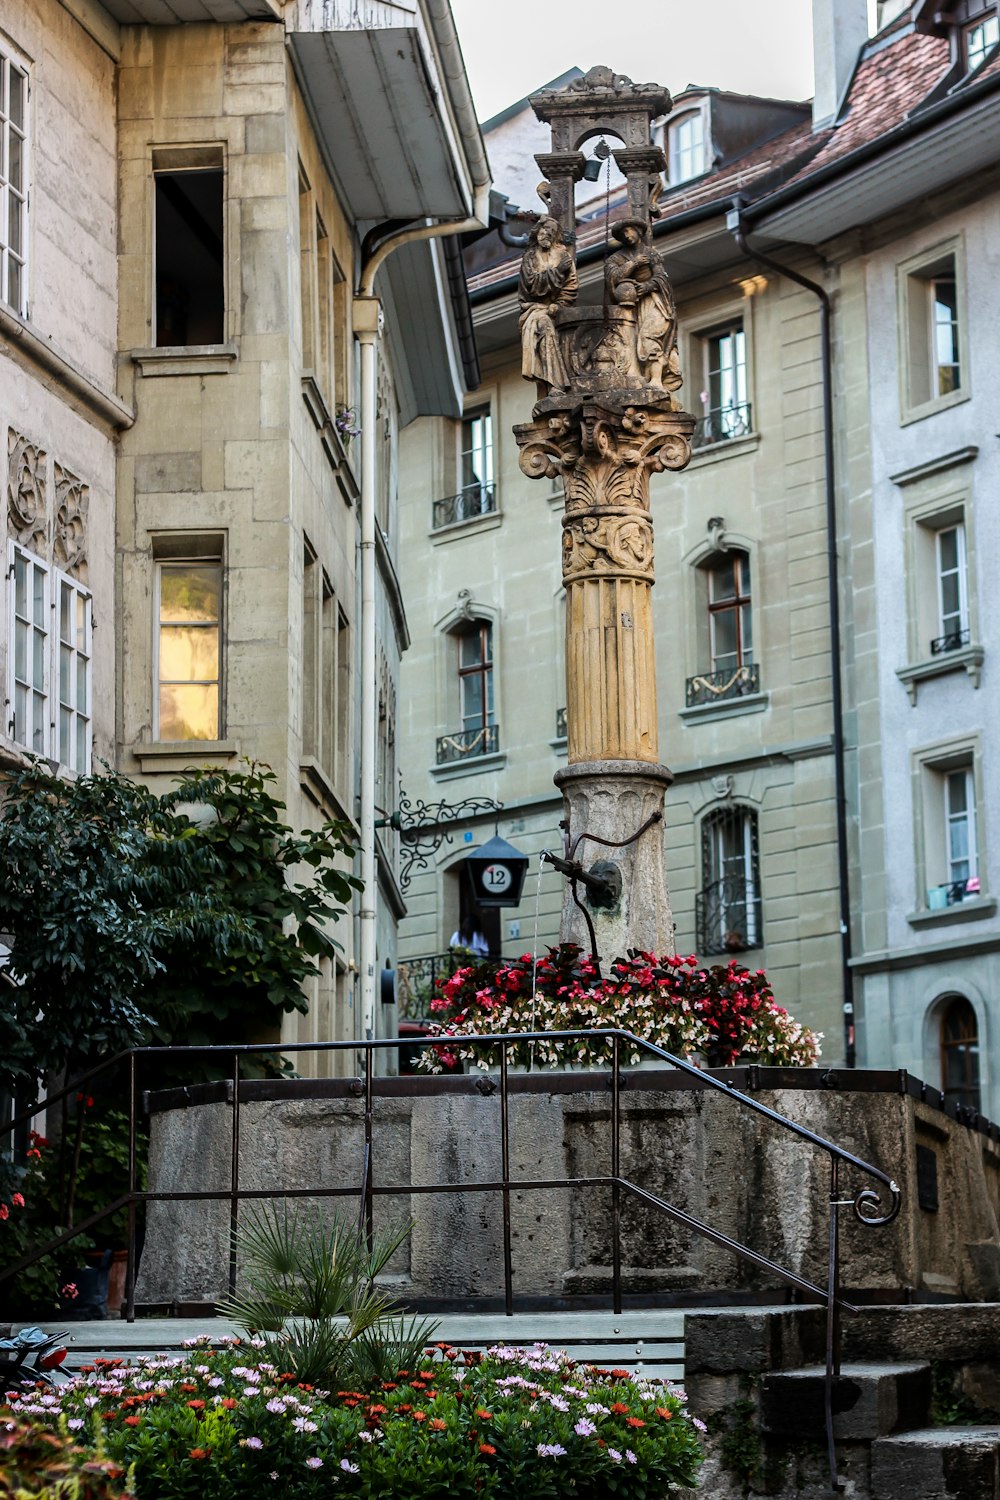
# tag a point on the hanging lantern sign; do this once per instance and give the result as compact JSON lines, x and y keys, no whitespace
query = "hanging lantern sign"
{"x":496,"y":873}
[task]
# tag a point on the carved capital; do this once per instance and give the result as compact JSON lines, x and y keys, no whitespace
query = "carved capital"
{"x":611,"y":543}
{"x":69,"y":542}
{"x":27,"y":520}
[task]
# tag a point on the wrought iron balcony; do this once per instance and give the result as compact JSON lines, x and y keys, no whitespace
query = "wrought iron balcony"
{"x":418,"y":977}
{"x":466,"y":744}
{"x":560,"y":723}
{"x":728,"y":917}
{"x":719,"y":687}
{"x":475,"y":500}
{"x":722,"y":424}
{"x":953,"y":641}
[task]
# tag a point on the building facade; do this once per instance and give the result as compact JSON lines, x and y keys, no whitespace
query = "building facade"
{"x":822,"y":606}
{"x":187,"y":496}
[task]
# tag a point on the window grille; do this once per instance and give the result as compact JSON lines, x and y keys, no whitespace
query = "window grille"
{"x":728,"y":909}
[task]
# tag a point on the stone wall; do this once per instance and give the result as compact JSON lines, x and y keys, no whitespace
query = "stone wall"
{"x":705,"y":1153}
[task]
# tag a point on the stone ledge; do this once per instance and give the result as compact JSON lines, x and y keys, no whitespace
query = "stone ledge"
{"x":962,"y":911}
{"x":186,"y":359}
{"x":748,"y":703}
{"x":969,"y":657}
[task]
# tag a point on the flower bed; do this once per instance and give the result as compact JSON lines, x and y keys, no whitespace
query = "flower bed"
{"x":518,"y":1422}
{"x":717,"y":1012}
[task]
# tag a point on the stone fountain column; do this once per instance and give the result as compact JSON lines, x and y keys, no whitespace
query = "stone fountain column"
{"x":607,"y":419}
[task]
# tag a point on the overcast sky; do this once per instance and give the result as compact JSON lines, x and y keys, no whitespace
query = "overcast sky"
{"x":752,"y":46}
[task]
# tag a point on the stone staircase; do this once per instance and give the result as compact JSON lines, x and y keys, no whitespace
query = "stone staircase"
{"x":757,"y":1376}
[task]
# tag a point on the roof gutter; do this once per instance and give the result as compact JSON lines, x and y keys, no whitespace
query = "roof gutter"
{"x":735,"y":223}
{"x":442,"y":24}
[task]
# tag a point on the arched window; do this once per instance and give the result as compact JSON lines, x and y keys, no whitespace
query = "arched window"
{"x":959,"y":1052}
{"x":727,"y":910}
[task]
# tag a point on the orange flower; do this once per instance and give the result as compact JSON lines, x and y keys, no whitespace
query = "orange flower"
{"x":196,"y":1405}
{"x":187,"y":1385}
{"x":200,"y":1453}
{"x":486,"y":1448}
{"x":375,"y":1409}
{"x":426,"y":1374}
{"x":437,"y":1425}
{"x":420,"y":1416}
{"x":132,"y":1421}
{"x":634,"y":1422}
{"x":228,"y":1404}
{"x":664,"y":1412}
{"x":619,"y":1408}
{"x":620,"y":1374}
{"x":487,"y":1416}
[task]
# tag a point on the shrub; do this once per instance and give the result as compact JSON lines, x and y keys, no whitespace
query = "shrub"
{"x":519,"y":1422}
{"x":37,"y":1460}
{"x":718,"y":1011}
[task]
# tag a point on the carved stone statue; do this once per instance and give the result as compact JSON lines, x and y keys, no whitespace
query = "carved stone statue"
{"x":636,"y":278}
{"x":548,"y":282}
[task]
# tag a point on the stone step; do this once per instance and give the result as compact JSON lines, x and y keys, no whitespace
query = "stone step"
{"x":650,"y":1342}
{"x":937,"y":1463}
{"x":869,"y":1401}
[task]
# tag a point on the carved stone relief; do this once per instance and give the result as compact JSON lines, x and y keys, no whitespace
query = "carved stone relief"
{"x":608,"y":544}
{"x":27,"y":516}
{"x":69,"y":542}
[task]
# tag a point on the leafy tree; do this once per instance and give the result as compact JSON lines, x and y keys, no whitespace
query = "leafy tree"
{"x":179,"y":918}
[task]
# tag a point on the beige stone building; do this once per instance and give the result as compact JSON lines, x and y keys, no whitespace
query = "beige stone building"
{"x":822,"y":602}
{"x":202,"y":497}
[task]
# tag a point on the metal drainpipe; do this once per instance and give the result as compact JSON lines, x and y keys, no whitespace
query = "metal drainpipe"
{"x":367,"y":318}
{"x":734,"y":223}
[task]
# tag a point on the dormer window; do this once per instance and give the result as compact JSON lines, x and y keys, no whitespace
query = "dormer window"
{"x":686,"y":138}
{"x":980,"y":39}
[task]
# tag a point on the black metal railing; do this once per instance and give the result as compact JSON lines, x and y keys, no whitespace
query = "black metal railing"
{"x":728,"y":916}
{"x":953,"y":641}
{"x":952,"y":892}
{"x":466,"y":744}
{"x":722,"y":424}
{"x":560,"y":723}
{"x":865,"y":1203}
{"x":720,"y":687}
{"x":474,"y":500}
{"x":417,"y":978}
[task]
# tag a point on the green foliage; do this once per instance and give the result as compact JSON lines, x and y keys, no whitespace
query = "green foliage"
{"x":950,"y":1406}
{"x":308,"y":1287}
{"x":39,"y":1462}
{"x":525,"y":1423}
{"x":133,"y":922}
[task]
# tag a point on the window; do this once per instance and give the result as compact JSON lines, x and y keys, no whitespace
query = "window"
{"x":189,"y":261}
{"x":49,"y":688}
{"x":724,"y":398}
{"x":188,"y":655}
{"x":13,"y":183}
{"x":477,"y":463}
{"x":687,"y":147}
{"x":959,"y":1052}
{"x":729,"y":616}
{"x":952,"y":601}
{"x":932,"y":320}
{"x":727,"y":911}
{"x":950,"y":831}
{"x":980,"y":39}
{"x":478,"y":733}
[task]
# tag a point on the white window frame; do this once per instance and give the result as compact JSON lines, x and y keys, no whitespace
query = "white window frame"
{"x":10,"y":62}
{"x":961,"y":572}
{"x":687,"y":159}
{"x":980,"y":39}
{"x":49,"y":743}
{"x":953,"y":818}
{"x":916,"y":320}
{"x":938,"y":887}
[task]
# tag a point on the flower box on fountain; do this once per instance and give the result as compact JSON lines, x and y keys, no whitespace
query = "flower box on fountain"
{"x":718,"y":1013}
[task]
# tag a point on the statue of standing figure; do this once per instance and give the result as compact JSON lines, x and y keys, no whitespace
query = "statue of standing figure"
{"x":636,"y":277}
{"x":548,"y":282}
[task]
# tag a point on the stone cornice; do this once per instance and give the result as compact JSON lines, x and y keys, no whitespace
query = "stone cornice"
{"x":21,"y":342}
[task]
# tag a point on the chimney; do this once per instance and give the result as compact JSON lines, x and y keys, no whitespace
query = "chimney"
{"x":840,"y":30}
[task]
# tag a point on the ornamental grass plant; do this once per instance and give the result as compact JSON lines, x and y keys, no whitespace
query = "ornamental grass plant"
{"x":717,"y":1012}
{"x":229,"y":1423}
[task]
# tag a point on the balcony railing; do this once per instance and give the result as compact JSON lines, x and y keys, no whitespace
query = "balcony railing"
{"x":475,"y":500}
{"x":418,"y":978}
{"x":560,"y":723}
{"x":953,"y":641}
{"x":466,"y":744}
{"x":728,"y":917}
{"x":719,"y":687}
{"x":722,"y":425}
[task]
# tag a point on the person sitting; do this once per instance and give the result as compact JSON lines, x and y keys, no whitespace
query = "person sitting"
{"x":468,"y":936}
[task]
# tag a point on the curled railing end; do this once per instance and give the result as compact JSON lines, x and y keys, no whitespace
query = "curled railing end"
{"x":870,"y":1198}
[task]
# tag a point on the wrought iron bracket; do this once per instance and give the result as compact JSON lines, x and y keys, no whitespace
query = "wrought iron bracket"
{"x":423,"y":827}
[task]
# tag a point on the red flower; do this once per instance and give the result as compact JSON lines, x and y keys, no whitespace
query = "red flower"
{"x":634,"y":1422}
{"x":196,"y":1405}
{"x":420,"y":1416}
{"x":132,"y":1421}
{"x":619,"y":1408}
{"x":17,"y":1199}
{"x":664,"y":1412}
{"x":200,"y":1453}
{"x":436,"y":1425}
{"x":228,"y":1404}
{"x":487,"y":1416}
{"x":487,"y":1448}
